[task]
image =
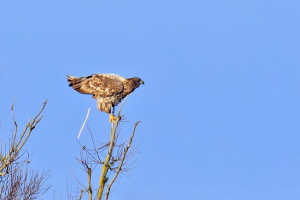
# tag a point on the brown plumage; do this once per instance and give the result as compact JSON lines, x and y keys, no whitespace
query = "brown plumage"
{"x":107,"y":89}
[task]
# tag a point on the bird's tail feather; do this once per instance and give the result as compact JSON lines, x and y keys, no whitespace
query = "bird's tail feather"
{"x":72,"y":80}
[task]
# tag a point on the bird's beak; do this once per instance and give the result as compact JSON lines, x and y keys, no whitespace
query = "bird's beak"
{"x":142,"y":82}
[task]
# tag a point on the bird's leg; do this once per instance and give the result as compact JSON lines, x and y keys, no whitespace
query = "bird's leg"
{"x":112,"y":117}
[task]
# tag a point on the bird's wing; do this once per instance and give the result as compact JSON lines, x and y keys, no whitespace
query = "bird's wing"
{"x":99,"y":85}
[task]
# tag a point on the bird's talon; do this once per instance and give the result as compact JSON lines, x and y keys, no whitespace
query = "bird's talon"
{"x":112,"y":118}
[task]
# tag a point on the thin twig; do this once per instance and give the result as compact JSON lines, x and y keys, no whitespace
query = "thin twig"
{"x":81,"y":194}
{"x":122,"y":104}
{"x":86,"y":117}
{"x":93,"y":142}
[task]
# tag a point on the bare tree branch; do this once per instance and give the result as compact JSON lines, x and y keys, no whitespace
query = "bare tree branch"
{"x":16,"y":181}
{"x":18,"y":143}
{"x":112,"y":162}
{"x":121,"y":164}
{"x":106,"y":166}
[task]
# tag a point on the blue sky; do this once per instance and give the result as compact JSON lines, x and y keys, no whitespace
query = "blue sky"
{"x":219,"y":110}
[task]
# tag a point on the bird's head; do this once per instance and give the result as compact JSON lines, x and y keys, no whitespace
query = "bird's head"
{"x":138,"y":81}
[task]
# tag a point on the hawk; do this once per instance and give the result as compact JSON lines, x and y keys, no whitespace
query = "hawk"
{"x":108,"y":89}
